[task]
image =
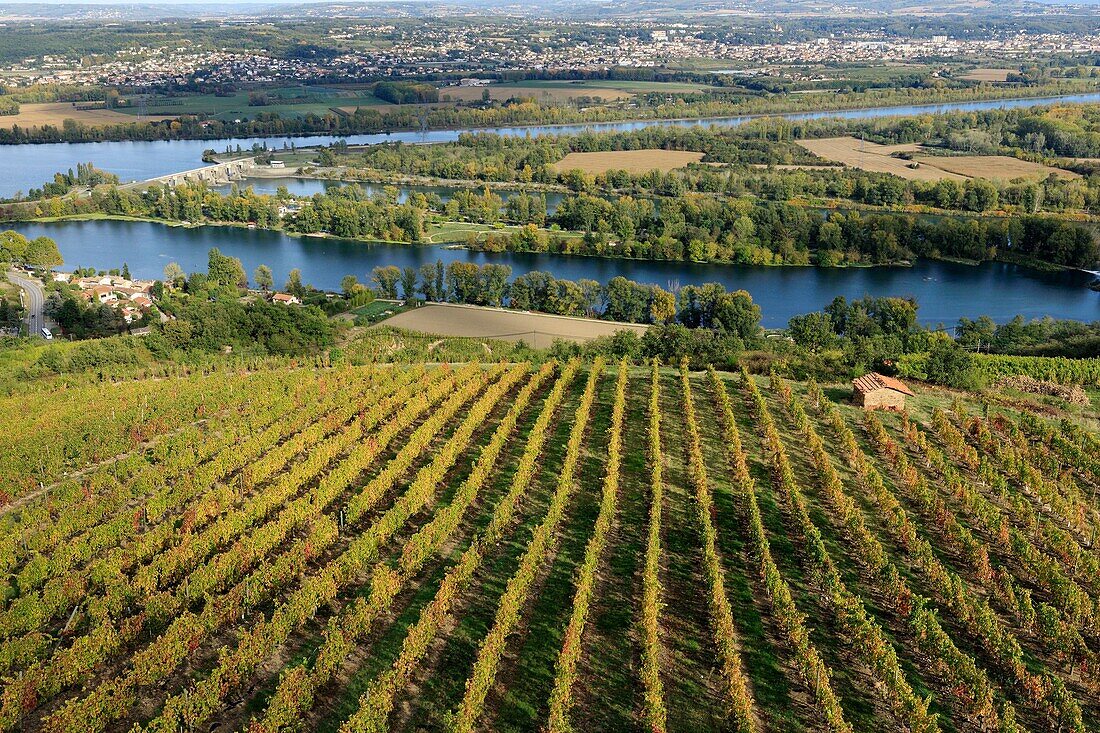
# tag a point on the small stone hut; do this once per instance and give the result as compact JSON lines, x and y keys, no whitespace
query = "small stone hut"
{"x":876,"y":391}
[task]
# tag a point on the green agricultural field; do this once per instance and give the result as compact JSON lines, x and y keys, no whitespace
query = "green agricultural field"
{"x":378,"y":310}
{"x":457,"y":232}
{"x":496,"y":545}
{"x":553,"y":91}
{"x":633,"y":87}
{"x":286,"y":101}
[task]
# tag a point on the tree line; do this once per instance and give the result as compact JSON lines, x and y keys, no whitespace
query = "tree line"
{"x":687,"y":227}
{"x":365,"y":120}
{"x":768,"y":142}
{"x":703,"y":306}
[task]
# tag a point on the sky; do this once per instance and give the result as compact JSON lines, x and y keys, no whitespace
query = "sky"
{"x":181,"y":2}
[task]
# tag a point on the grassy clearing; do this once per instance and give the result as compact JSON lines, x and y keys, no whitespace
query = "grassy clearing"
{"x":458,"y":232}
{"x":378,"y":310}
{"x":632,"y":161}
{"x":550,"y":91}
{"x":285,"y":101}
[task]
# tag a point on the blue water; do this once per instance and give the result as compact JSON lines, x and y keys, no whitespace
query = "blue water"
{"x":946,"y":291}
{"x":29,"y":166}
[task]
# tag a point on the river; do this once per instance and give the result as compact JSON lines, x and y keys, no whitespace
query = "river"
{"x":946,"y":291}
{"x":29,"y":166}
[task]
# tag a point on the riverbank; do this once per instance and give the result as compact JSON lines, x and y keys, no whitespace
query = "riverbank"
{"x":338,"y":175}
{"x":452,"y":235}
{"x":1041,"y":96}
{"x":31,"y":164}
{"x":946,"y":291}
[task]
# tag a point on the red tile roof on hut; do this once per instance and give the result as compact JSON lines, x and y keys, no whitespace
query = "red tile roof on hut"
{"x":874,"y":391}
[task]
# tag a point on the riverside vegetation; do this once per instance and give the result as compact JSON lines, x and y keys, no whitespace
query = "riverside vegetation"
{"x":727,"y":209}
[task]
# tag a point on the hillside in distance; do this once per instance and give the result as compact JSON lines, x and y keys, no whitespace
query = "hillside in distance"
{"x":704,"y":9}
{"x":515,"y":547}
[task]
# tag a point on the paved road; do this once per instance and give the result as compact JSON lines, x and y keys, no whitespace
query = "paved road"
{"x":35,"y":301}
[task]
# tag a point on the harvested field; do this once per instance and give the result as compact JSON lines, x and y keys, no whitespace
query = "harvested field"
{"x":870,"y":156}
{"x":501,"y":92}
{"x":789,"y":167}
{"x":563,"y":91}
{"x":632,"y":161}
{"x":994,"y":166}
{"x":537,"y":329}
{"x":988,"y":74}
{"x":55,"y":113}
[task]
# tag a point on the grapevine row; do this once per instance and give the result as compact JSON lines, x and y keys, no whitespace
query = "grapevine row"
{"x":975,"y":613}
{"x":170,"y":566}
{"x":77,"y":434}
{"x":297,"y":689}
{"x":967,"y":680}
{"x":1073,"y":601}
{"x":377,"y":702}
{"x":656,"y":713}
{"x":810,"y":664}
{"x":67,"y":588}
{"x":725,"y":632}
{"x":1079,"y":560}
{"x":481,"y":679}
{"x":187,"y":629}
{"x":194,"y":707}
{"x":46,"y":525}
{"x":1060,"y":496}
{"x":122,"y":593}
{"x":1018,"y":458}
{"x":874,"y":648}
{"x":566,"y":676}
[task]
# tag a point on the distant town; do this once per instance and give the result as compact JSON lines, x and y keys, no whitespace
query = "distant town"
{"x":426,"y":48}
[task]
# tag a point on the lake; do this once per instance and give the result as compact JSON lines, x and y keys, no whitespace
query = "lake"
{"x":946,"y":291}
{"x":29,"y":166}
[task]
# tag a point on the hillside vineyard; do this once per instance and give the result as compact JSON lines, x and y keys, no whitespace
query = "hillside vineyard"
{"x":558,"y":547}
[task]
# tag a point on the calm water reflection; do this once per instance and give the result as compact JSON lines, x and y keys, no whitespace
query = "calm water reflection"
{"x":946,"y":291}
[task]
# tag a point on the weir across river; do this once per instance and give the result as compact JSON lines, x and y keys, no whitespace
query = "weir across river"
{"x":216,"y":174}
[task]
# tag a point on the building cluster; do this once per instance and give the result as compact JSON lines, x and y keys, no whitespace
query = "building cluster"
{"x":871,"y":49}
{"x":513,"y":46}
{"x":132,"y":298}
{"x":142,"y":66}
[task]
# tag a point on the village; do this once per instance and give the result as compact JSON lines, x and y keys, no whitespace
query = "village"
{"x":132,"y":298}
{"x":514,"y":46}
{"x":135,"y":298}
